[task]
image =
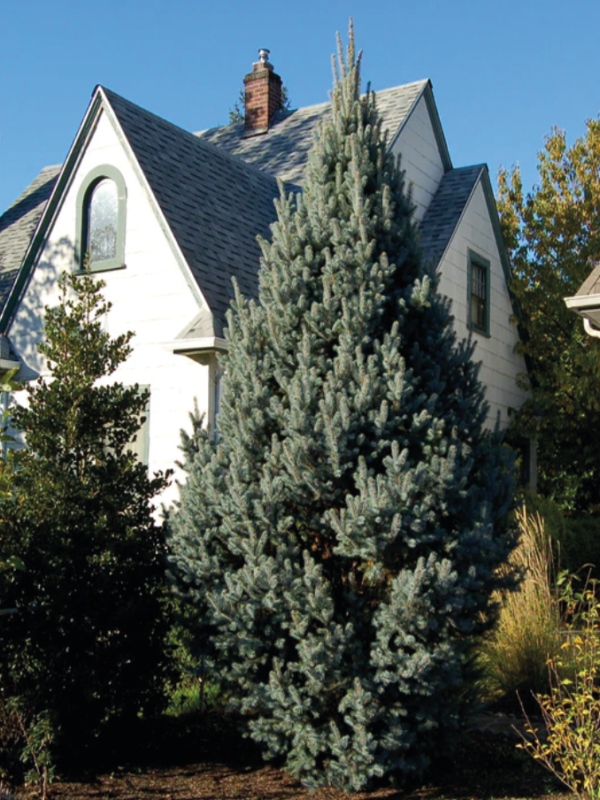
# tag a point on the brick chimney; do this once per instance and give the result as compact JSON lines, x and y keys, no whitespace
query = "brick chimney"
{"x":263,"y":95}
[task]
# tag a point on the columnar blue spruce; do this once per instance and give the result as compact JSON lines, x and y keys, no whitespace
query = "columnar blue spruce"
{"x":338,"y":538}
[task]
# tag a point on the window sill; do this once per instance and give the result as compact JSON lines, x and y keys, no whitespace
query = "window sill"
{"x":101,"y":266}
{"x":480,"y":331}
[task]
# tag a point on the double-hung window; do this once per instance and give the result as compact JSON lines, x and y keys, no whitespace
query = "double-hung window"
{"x":479,"y":293}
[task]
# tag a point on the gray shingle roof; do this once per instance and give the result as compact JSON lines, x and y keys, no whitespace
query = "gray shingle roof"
{"x":215,"y":204}
{"x":283,"y":150}
{"x":591,"y":286}
{"x":446,"y":209}
{"x":216,"y":192}
{"x":18,"y":224}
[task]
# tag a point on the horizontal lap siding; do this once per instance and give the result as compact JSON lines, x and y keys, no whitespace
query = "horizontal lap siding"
{"x":421,"y":159}
{"x":500,"y":364}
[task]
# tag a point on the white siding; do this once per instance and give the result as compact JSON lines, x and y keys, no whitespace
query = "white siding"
{"x":421,"y":160}
{"x":150,"y":297}
{"x":500,"y":364}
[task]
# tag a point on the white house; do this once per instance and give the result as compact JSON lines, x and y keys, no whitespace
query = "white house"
{"x":586,"y":302}
{"x":171,"y":216}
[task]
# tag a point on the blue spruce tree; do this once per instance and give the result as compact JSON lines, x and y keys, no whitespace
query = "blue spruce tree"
{"x":338,"y":540}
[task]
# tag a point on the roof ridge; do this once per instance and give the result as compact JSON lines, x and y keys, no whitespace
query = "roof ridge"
{"x":480,"y":166}
{"x":316,"y":106}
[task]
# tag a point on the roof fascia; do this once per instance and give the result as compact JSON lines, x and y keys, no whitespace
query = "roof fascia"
{"x":495,"y":219}
{"x":162,"y":220}
{"x":504,"y":260}
{"x":437,"y":127}
{"x":52,"y":206}
{"x":198,"y":345}
{"x":579,"y":303}
{"x":427,"y":93}
{"x":8,"y":363}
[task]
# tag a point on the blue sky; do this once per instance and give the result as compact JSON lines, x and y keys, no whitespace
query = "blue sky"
{"x":503,"y":73}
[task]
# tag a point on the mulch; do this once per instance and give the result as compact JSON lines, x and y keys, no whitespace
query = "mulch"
{"x":205,"y":759}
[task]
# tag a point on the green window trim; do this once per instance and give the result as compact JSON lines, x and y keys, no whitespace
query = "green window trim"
{"x":478,"y":284}
{"x":92,"y":179}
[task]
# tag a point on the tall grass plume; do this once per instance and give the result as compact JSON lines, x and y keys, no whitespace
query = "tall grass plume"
{"x":514,"y":657}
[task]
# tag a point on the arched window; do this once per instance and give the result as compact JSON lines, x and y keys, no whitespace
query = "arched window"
{"x":101,"y":220}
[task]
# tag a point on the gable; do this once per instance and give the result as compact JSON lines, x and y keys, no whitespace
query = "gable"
{"x":210,"y":204}
{"x":476,"y":234}
{"x":423,"y":153}
{"x":149,"y":291}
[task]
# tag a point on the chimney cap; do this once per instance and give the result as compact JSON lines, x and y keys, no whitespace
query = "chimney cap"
{"x":263,"y":60}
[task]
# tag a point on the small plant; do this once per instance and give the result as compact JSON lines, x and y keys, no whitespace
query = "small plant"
{"x":38,"y":737}
{"x":27,"y":737}
{"x":514,"y":657}
{"x":193,"y":696}
{"x":571,"y":710}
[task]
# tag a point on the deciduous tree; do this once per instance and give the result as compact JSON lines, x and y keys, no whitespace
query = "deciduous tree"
{"x":553,"y":238}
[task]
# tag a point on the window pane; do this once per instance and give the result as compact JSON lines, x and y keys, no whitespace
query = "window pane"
{"x":478,"y":278}
{"x":479,"y":292}
{"x":103,"y":214}
{"x":139,"y":444}
{"x":478,"y":313}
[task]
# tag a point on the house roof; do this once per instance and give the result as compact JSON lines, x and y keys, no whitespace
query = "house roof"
{"x":283,"y":150}
{"x":215,"y":204}
{"x":17,"y":226}
{"x":586,"y":301}
{"x":216,"y":189}
{"x":446,"y":209}
{"x":591,"y":286}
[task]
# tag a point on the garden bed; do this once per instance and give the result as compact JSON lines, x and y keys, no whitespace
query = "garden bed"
{"x":193,"y":759}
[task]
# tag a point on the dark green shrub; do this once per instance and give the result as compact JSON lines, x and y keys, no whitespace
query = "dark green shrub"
{"x":88,"y":643}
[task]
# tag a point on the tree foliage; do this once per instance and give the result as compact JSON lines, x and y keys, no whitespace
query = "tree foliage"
{"x":88,"y":643}
{"x":553,"y":239}
{"x":339,"y":538}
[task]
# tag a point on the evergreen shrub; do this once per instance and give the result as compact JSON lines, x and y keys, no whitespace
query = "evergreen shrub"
{"x":88,"y":643}
{"x":339,"y":538}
